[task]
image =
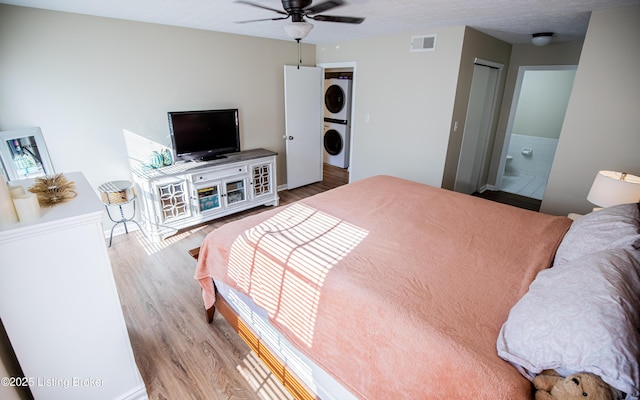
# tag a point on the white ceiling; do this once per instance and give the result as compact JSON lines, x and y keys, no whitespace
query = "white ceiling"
{"x":510,"y":20}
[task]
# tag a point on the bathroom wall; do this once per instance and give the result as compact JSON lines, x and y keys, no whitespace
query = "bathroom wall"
{"x":538,"y":162}
{"x":527,"y":172}
{"x":542,"y":104}
{"x":543,"y":100}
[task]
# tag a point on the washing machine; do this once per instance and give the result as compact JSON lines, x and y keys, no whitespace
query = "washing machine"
{"x":336,"y":144}
{"x":337,"y":99}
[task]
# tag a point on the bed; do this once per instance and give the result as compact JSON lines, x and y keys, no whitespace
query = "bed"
{"x":393,"y":288}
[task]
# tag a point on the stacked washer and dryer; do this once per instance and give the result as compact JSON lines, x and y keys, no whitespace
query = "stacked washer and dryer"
{"x":337,"y":121}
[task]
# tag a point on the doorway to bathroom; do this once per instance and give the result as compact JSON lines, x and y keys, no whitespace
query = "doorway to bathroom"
{"x":539,"y":105}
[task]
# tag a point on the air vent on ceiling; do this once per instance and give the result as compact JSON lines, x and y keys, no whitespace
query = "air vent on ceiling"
{"x":423,"y":43}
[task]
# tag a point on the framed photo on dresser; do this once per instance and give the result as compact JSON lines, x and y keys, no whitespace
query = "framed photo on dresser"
{"x":24,"y":154}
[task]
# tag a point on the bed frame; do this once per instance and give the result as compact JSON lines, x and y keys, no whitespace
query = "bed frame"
{"x":333,"y":257}
{"x":288,"y":380}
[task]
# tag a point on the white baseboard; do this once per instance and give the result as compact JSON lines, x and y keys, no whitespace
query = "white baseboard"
{"x":484,"y":188}
{"x":137,"y":393}
{"x":119,"y":230}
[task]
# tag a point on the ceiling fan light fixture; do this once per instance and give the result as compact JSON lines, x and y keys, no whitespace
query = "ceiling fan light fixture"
{"x":541,"y":38}
{"x":298,"y":30}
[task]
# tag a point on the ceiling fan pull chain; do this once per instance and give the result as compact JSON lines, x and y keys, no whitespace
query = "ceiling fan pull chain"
{"x":299,"y":53}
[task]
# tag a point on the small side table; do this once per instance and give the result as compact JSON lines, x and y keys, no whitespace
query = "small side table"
{"x":119,"y":193}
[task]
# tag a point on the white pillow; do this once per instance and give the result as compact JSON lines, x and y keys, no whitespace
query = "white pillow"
{"x":616,"y":227}
{"x":583,"y":316}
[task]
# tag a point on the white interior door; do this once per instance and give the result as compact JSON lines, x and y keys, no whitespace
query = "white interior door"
{"x":303,"y":124}
{"x":477,"y":128}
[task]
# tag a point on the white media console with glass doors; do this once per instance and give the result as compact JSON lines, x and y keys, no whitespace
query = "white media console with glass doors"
{"x":189,"y":193}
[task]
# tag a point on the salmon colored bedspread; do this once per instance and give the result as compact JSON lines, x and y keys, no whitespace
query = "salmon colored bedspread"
{"x":397,"y":289}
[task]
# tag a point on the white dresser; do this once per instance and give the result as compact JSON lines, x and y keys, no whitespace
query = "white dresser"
{"x":60,"y":307}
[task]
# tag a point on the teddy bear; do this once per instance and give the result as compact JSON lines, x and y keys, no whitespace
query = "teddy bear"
{"x":551,"y":386}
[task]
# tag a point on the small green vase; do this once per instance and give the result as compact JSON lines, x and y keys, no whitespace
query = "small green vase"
{"x":156,"y":160}
{"x":167,"y":157}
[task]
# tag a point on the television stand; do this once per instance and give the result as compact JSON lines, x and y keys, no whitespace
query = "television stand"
{"x":186,"y":194}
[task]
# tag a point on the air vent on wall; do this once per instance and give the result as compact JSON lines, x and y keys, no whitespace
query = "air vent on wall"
{"x":423,"y":43}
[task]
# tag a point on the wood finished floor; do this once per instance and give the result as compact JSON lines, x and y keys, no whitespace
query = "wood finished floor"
{"x":512,"y":199}
{"x":179,"y":355}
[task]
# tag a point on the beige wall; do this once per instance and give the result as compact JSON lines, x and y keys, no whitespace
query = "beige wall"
{"x":408,"y":99}
{"x":561,"y":53}
{"x":600,"y":129}
{"x":476,"y":45}
{"x":85,"y":79}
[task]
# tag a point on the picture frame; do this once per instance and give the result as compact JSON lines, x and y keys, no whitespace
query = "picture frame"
{"x":24,"y":154}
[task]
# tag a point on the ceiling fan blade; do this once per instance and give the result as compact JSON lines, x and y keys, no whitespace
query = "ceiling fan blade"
{"x":333,"y":18}
{"x":249,"y":3}
{"x":262,"y":19}
{"x":324,"y":6}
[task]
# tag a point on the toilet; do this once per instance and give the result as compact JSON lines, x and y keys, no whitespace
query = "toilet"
{"x":508,"y":169}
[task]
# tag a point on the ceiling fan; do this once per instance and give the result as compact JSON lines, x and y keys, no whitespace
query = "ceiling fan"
{"x":298,"y":10}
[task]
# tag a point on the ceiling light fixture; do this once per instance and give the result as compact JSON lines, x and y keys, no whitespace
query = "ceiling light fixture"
{"x":298,"y":30}
{"x":541,"y":38}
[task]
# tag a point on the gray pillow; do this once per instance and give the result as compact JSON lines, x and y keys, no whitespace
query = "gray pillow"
{"x":616,"y":227}
{"x":581,"y":317}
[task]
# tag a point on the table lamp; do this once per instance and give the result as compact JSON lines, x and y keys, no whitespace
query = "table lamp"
{"x":611,"y":188}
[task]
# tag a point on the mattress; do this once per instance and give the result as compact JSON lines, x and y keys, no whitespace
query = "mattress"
{"x":392,"y":287}
{"x":311,"y":375}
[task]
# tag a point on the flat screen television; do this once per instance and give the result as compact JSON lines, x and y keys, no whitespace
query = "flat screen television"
{"x":204,"y":135}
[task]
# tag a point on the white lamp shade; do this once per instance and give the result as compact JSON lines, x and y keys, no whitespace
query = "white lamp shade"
{"x":298,"y":30}
{"x":611,"y":188}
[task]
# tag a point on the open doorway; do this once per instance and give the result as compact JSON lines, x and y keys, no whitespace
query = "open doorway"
{"x":535,"y":121}
{"x":338,"y":104}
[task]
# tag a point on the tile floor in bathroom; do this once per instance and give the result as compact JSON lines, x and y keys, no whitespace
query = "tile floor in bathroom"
{"x":525,"y":185}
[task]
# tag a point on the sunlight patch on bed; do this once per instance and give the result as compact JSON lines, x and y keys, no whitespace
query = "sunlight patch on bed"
{"x":283,"y":262}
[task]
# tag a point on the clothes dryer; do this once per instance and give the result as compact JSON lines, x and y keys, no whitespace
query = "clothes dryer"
{"x":336,"y":144}
{"x":337,"y":100}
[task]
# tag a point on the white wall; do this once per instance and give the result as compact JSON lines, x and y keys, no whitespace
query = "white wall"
{"x":408,"y":99}
{"x":600,"y":129}
{"x":85,"y":79}
{"x":542,"y":104}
